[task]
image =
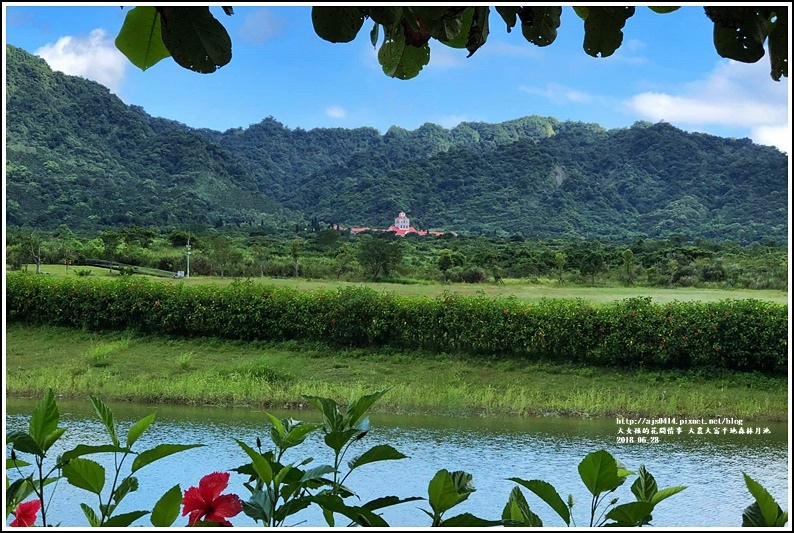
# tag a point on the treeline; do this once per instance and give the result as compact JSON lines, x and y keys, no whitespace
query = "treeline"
{"x":747,"y":335}
{"x":326,"y":253}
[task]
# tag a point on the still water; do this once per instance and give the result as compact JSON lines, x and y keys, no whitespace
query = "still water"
{"x":492,"y":450}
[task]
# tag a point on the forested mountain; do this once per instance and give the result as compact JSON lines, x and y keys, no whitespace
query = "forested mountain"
{"x":80,"y":156}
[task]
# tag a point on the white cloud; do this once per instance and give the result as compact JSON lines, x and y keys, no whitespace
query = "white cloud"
{"x":734,"y":94}
{"x":445,"y":57}
{"x":558,"y":93}
{"x":260,"y":26}
{"x":336,"y":111}
{"x":94,"y":57}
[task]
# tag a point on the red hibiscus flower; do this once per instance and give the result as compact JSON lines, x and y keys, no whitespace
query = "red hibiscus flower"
{"x":205,"y":502}
{"x":25,"y":513}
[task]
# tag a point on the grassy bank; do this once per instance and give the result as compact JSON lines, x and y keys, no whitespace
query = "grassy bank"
{"x":121,"y":366}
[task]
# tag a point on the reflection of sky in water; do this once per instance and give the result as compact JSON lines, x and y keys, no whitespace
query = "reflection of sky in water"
{"x":492,"y":450}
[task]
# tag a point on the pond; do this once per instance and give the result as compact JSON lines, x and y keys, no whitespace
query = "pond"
{"x":491,"y":449}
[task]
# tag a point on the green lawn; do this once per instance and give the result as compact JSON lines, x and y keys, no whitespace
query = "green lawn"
{"x":512,"y":287}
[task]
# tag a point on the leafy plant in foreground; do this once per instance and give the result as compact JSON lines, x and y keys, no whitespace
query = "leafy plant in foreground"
{"x":78,"y":471}
{"x":602,"y":474}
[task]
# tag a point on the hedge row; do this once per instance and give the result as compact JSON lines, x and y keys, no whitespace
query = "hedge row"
{"x":731,"y":334}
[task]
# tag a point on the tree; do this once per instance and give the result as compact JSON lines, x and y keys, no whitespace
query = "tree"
{"x":260,"y":256}
{"x":344,"y":258}
{"x":592,"y":263}
{"x":221,"y":253}
{"x":559,"y":262}
{"x":295,"y":252}
{"x":445,"y":262}
{"x":196,"y":40}
{"x":379,"y":255}
{"x":628,"y":263}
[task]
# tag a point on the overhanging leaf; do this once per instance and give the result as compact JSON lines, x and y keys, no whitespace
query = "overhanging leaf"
{"x":23,"y":442}
{"x":603,"y":29}
{"x":196,"y":40}
{"x":663,"y":9}
{"x":140,"y":38}
{"x":478,"y":33}
{"x":778,"y":43}
{"x":508,"y":14}
{"x":337,"y":24}
{"x":539,"y":24}
{"x":401,"y":61}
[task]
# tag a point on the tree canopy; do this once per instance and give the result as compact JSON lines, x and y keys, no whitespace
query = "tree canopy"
{"x":196,"y":40}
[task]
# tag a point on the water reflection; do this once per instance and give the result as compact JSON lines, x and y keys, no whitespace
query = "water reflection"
{"x":492,"y":450}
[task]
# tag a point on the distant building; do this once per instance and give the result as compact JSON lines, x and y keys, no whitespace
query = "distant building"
{"x":402,"y":227}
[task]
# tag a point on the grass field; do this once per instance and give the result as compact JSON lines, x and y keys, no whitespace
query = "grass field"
{"x":512,"y":287}
{"x":119,"y":366}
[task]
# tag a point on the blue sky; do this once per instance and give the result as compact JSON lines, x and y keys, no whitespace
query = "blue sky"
{"x":666,"y":69}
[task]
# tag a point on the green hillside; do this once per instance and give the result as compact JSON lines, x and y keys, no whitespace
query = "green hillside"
{"x":78,"y":155}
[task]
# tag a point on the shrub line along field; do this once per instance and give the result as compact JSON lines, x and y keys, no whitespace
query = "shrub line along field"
{"x":454,"y":353}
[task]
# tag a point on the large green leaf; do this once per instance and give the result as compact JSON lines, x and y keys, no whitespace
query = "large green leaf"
{"x":125,"y":519}
{"x":316,"y":473}
{"x":468,"y":520}
{"x":603,"y":29}
{"x":85,"y":474}
{"x":631,"y":514}
{"x":259,"y":506}
{"x":644,"y":487}
{"x":388,"y":501}
{"x":599,"y":472}
{"x":166,"y":510}
{"x":770,"y":510}
{"x":546,"y":492}
{"x":158,"y":452}
{"x":663,"y":9}
{"x":23,"y":442}
{"x":138,"y":428}
{"x":44,"y":419}
{"x":261,"y":465}
{"x":478,"y":33}
{"x":509,"y":15}
{"x":106,"y":416}
{"x":53,"y":437}
{"x":444,"y":492}
{"x":382,"y":452}
{"x":336,"y":440}
{"x":84,"y":449}
{"x":666,"y":493}
{"x":401,"y":61}
{"x":337,"y":24}
{"x":332,"y":418}
{"x":541,"y":27}
{"x":462,"y":38}
{"x":356,"y":408}
{"x":359,"y":515}
{"x":140,"y":38}
{"x":196,"y":40}
{"x":517,"y":511}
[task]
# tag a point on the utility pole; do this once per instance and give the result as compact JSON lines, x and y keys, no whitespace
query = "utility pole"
{"x":187,"y":255}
